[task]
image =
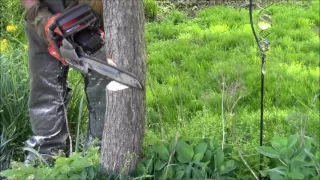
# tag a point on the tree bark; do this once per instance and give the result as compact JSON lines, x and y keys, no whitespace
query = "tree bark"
{"x":125,"y":114}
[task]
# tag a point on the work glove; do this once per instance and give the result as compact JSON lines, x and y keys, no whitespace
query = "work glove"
{"x":96,"y":5}
{"x":38,"y":16}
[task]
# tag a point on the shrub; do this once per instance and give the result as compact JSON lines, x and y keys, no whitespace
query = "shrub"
{"x":177,"y":160}
{"x":181,"y":160}
{"x":299,"y":158}
{"x":75,"y":167}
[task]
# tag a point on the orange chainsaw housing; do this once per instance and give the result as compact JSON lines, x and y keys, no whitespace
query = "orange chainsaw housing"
{"x":52,"y":49}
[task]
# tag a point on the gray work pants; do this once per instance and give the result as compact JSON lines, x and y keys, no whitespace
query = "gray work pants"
{"x":49,"y":93}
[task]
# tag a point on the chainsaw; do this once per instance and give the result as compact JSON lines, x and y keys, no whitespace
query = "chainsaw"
{"x":78,"y":42}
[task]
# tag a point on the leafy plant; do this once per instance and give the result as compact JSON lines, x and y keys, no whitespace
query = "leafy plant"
{"x":299,"y":158}
{"x":75,"y":167}
{"x":180,"y":160}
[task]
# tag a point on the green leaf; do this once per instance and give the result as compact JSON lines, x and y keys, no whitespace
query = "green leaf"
{"x":170,"y":172}
{"x":172,"y":145}
{"x":279,"y":142}
{"x":8,"y":173}
{"x":181,"y":167}
{"x":308,"y":171}
{"x":275,"y":176}
{"x":296,"y":164}
{"x":276,"y":144}
{"x":162,"y":151}
{"x":207,"y":156}
{"x":185,"y":152}
{"x":318,"y":155}
{"x":91,"y":173}
{"x":198,"y":157}
{"x":218,"y":157}
{"x":286,"y":153}
{"x":75,"y":177}
{"x":264,"y":173}
{"x":65,"y":169}
{"x":312,"y":141}
{"x":200,"y":164}
{"x":301,"y":155}
{"x":201,"y":148}
{"x":296,"y":175}
{"x":315,"y":178}
{"x":149,"y":151}
{"x":149,"y":165}
{"x":83,"y":174}
{"x":308,"y":144}
{"x":278,"y":170}
{"x":21,"y":172}
{"x":222,"y":169}
{"x":309,"y":154}
{"x":179,"y":175}
{"x":60,"y":161}
{"x":268,"y":151}
{"x":80,"y":164}
{"x":141,"y":168}
{"x":211,"y":145}
{"x":292,"y":141}
{"x":75,"y":156}
{"x":188,"y":171}
{"x":229,"y":166}
{"x":197,"y":173}
{"x":227,"y":150}
{"x":160,"y":165}
{"x":62,"y":177}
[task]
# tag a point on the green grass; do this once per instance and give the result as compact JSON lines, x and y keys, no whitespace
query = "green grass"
{"x":188,"y":62}
{"x":189,"y":59}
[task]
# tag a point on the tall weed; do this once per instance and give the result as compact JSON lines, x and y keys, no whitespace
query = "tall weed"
{"x":14,"y":124}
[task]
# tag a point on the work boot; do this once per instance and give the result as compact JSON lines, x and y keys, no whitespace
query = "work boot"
{"x":33,"y":160}
{"x":44,"y":150}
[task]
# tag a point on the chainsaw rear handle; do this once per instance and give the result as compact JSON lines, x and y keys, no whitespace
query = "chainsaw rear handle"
{"x":51,"y":28}
{"x":53,"y":33}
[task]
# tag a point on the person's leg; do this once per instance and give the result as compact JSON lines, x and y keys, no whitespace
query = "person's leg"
{"x":95,"y":88}
{"x":47,"y":98}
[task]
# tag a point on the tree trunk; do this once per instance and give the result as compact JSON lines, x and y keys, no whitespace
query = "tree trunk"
{"x":125,"y":114}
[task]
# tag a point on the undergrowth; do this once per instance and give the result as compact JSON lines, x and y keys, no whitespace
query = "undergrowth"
{"x":191,"y":65}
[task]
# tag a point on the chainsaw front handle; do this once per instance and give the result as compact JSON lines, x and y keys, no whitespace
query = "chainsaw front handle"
{"x":51,"y":29}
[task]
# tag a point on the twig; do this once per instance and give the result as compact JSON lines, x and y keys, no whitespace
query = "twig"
{"x":222,"y":114}
{"x":67,"y":123}
{"x":79,"y":122}
{"x":283,"y":162}
{"x":181,"y":103}
{"x":309,"y":109}
{"x":245,"y":162}
{"x":171,"y":155}
{"x":144,"y":174}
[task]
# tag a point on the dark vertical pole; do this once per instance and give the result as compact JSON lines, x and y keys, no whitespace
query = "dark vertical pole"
{"x":262,"y":108}
{"x":262,"y":83}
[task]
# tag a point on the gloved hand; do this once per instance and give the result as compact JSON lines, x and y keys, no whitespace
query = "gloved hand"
{"x":96,"y":5}
{"x":38,"y":16}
